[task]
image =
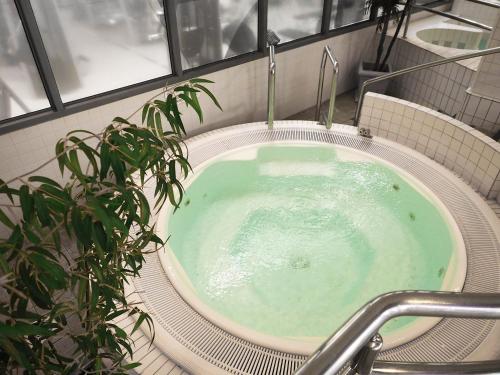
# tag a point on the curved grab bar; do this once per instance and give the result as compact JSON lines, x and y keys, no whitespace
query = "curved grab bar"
{"x":347,"y":342}
{"x":327,"y":55}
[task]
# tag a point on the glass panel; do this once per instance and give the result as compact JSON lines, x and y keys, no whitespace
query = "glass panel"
{"x":294,"y":19}
{"x":345,"y":12}
{"x":101,"y":45}
{"x":21,"y":89}
{"x":213,"y":30}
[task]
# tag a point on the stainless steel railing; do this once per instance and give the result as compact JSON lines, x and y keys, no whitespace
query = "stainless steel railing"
{"x":416,"y":68}
{"x":358,"y":333}
{"x":272,"y":41}
{"x":404,"y":368}
{"x":327,"y":55}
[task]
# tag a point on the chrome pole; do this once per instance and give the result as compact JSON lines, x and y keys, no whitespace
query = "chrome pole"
{"x":319,"y":96}
{"x":416,"y":68}
{"x":333,"y":91}
{"x":271,"y":87}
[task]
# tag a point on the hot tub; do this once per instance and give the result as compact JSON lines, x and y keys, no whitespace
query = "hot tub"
{"x":455,"y":38}
{"x":204,"y":338}
{"x":281,"y":243}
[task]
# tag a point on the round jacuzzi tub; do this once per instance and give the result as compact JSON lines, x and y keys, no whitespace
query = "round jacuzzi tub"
{"x":281,"y":244}
{"x":455,"y":38}
{"x":313,"y":225}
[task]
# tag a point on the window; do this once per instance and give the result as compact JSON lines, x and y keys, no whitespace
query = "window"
{"x":346,"y":12}
{"x":214,"y":30}
{"x":96,"y":46}
{"x":294,"y":19}
{"x":21,"y":89}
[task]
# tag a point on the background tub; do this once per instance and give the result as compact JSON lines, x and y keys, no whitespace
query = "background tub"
{"x":455,"y":38}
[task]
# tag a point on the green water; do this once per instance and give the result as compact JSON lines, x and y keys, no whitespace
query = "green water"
{"x":293,"y":242}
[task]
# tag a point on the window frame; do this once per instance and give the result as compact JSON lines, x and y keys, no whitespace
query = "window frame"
{"x":59,"y":109}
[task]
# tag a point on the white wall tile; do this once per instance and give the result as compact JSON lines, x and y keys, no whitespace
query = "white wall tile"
{"x":462,"y":149}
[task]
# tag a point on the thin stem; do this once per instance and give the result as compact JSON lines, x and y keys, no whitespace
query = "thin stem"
{"x":396,"y":33}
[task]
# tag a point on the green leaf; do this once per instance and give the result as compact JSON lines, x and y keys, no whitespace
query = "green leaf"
{"x":151,"y":121}
{"x":200,"y":80}
{"x":4,"y":189}
{"x":210,"y":95}
{"x":171,"y":170}
{"x":194,"y":98}
{"x":116,"y":314}
{"x":178,"y":120}
{"x":145,"y":111}
{"x":118,"y":168}
{"x":54,"y":275}
{"x":17,"y":351}
{"x":44,"y":180}
{"x":185,"y":89}
{"x":145,"y":209}
{"x":130,"y":366}
{"x":158,"y":124}
{"x":74,"y":163}
{"x":61,"y":155}
{"x":121,"y":120}
{"x":140,"y":320}
{"x":105,"y":161}
{"x":42,"y":211}
{"x":27,"y":204}
{"x":20,"y":329}
{"x":193,"y":104}
{"x":5,"y":220}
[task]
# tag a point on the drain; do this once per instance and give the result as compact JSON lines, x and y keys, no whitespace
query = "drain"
{"x":300,"y":263}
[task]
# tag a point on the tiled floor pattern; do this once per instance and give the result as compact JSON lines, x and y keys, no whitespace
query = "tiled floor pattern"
{"x":153,"y":361}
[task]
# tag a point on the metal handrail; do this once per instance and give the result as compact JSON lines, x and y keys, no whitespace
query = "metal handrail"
{"x":487,"y":3}
{"x":333,"y":355}
{"x":327,"y":55}
{"x":469,"y":368}
{"x":272,"y":40}
{"x":271,"y":87}
{"x":416,"y":68}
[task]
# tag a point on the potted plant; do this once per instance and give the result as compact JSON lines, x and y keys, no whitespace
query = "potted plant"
{"x":387,"y":10}
{"x":67,"y":248}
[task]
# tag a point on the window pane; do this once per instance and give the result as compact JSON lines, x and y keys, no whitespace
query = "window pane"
{"x":345,"y":12}
{"x":21,"y":89}
{"x":294,"y":19}
{"x":101,"y":45}
{"x":214,"y":30}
